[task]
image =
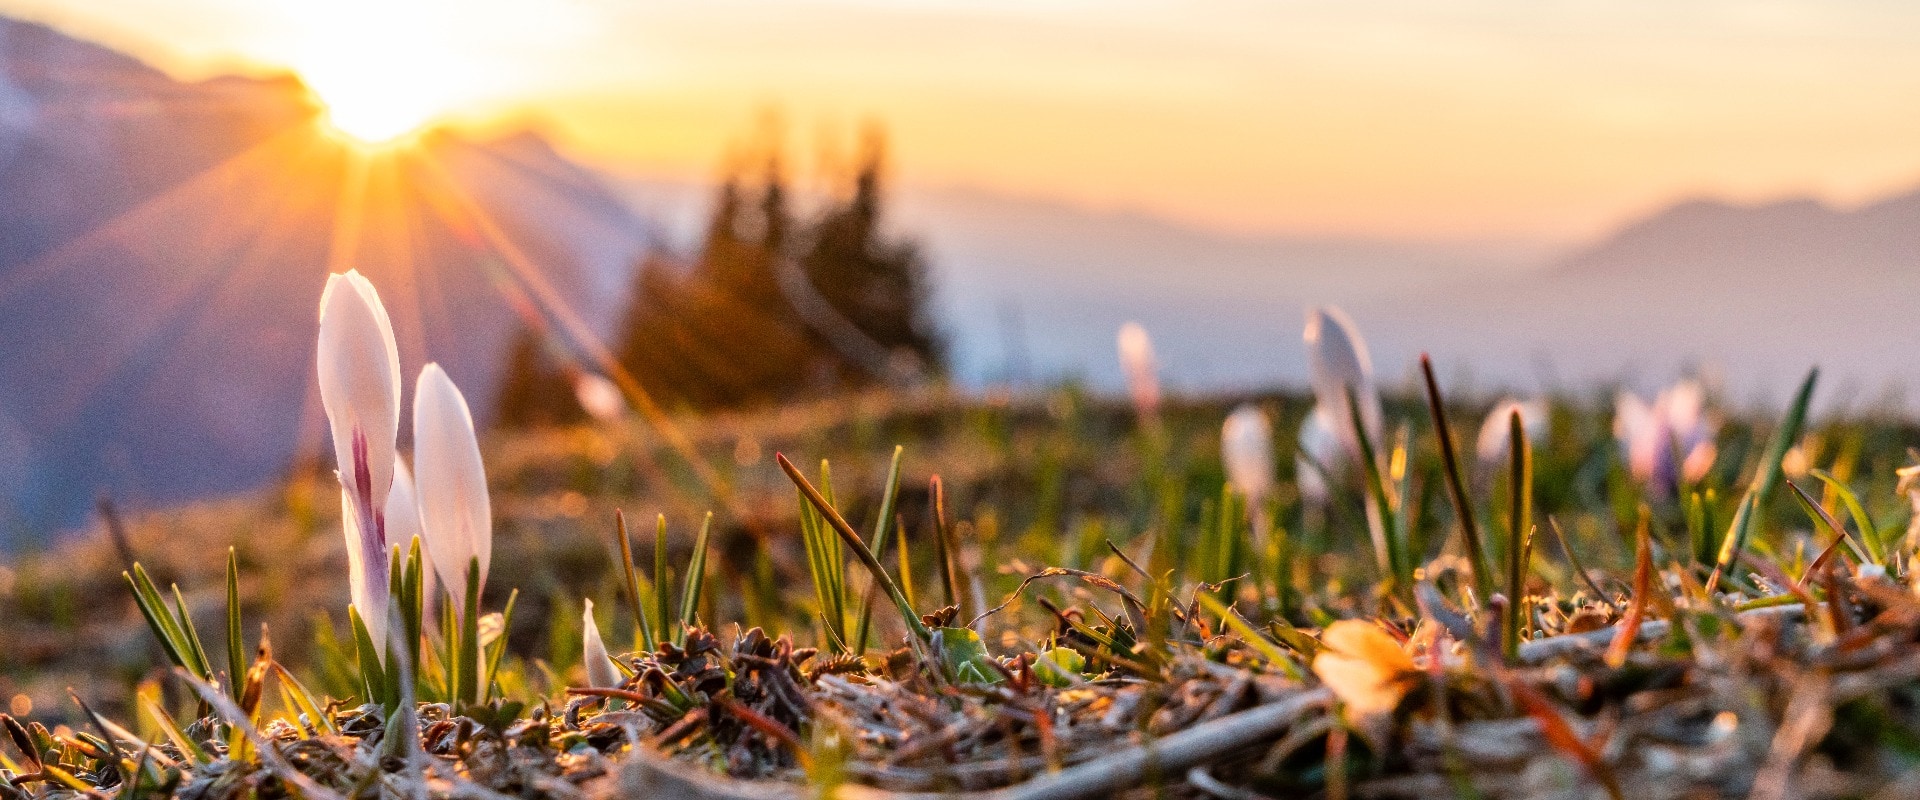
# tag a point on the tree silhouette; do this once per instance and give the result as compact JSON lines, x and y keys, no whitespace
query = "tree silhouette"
{"x":773,"y":309}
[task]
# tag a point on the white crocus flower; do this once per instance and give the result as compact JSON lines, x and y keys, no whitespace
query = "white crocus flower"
{"x":601,"y":672}
{"x":599,"y":397}
{"x":1143,"y":378}
{"x":1495,"y":433}
{"x":1337,"y":363}
{"x":1668,"y":441}
{"x":1246,"y":449}
{"x":456,"y":520}
{"x":359,"y":371}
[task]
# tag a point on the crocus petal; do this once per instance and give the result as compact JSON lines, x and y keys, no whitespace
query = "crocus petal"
{"x":1246,"y":450}
{"x":1321,"y":456}
{"x":359,"y":368}
{"x":1642,"y":437}
{"x":1491,"y":446}
{"x":1337,"y":362}
{"x":403,"y":510}
{"x":601,"y":673}
{"x":367,"y":577}
{"x":403,"y":525}
{"x":1366,"y":669}
{"x":1676,"y":424}
{"x":456,"y":519}
{"x":1136,"y":359}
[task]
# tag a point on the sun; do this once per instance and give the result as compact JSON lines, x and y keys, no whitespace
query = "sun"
{"x":384,"y":72}
{"x":371,"y":115}
{"x":379,"y":100}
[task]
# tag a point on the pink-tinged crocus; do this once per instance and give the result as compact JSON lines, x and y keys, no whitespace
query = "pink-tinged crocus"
{"x":601,"y":673}
{"x":1669,"y":441}
{"x":1496,"y":433}
{"x":1143,"y":372}
{"x":1338,"y":364}
{"x":359,"y":371}
{"x":456,"y":517}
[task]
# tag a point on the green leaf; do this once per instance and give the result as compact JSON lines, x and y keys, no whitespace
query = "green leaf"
{"x":1060,"y":667}
{"x":963,"y":658}
{"x":147,"y":597}
{"x":202,"y":667}
{"x":468,"y":653}
{"x":373,"y":678}
{"x":297,"y":697}
{"x":499,"y":647}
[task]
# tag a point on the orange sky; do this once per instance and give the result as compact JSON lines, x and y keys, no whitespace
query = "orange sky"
{"x":1399,"y":118}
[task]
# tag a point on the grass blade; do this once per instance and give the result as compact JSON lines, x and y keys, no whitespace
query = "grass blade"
{"x":660,"y":601}
{"x":696,"y":579}
{"x":642,"y":627}
{"x":1869,"y":534}
{"x":944,"y":550}
{"x":881,"y":531}
{"x":1764,"y":481}
{"x":859,"y":548}
{"x":236,"y":642}
{"x":1377,"y":491}
{"x":1519,"y":524}
{"x":1456,"y":486}
{"x":202,"y":667}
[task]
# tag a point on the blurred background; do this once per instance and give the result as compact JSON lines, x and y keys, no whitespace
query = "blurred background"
{"x":747,"y":203}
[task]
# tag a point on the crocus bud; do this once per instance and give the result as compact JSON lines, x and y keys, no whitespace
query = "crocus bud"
{"x":1337,"y":363}
{"x":359,"y":368}
{"x":456,"y":520}
{"x":1246,"y":450}
{"x":1491,"y":447}
{"x":599,"y":397}
{"x":601,"y":673}
{"x":1143,"y":378}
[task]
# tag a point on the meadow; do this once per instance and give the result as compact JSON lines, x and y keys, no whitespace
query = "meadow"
{"x":1024,"y":594}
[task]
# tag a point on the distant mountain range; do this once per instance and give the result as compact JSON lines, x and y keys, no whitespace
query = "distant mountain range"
{"x":1750,"y":296}
{"x":162,"y":250}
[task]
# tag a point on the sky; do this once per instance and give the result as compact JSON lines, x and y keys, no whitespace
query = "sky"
{"x":1473,"y":120}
